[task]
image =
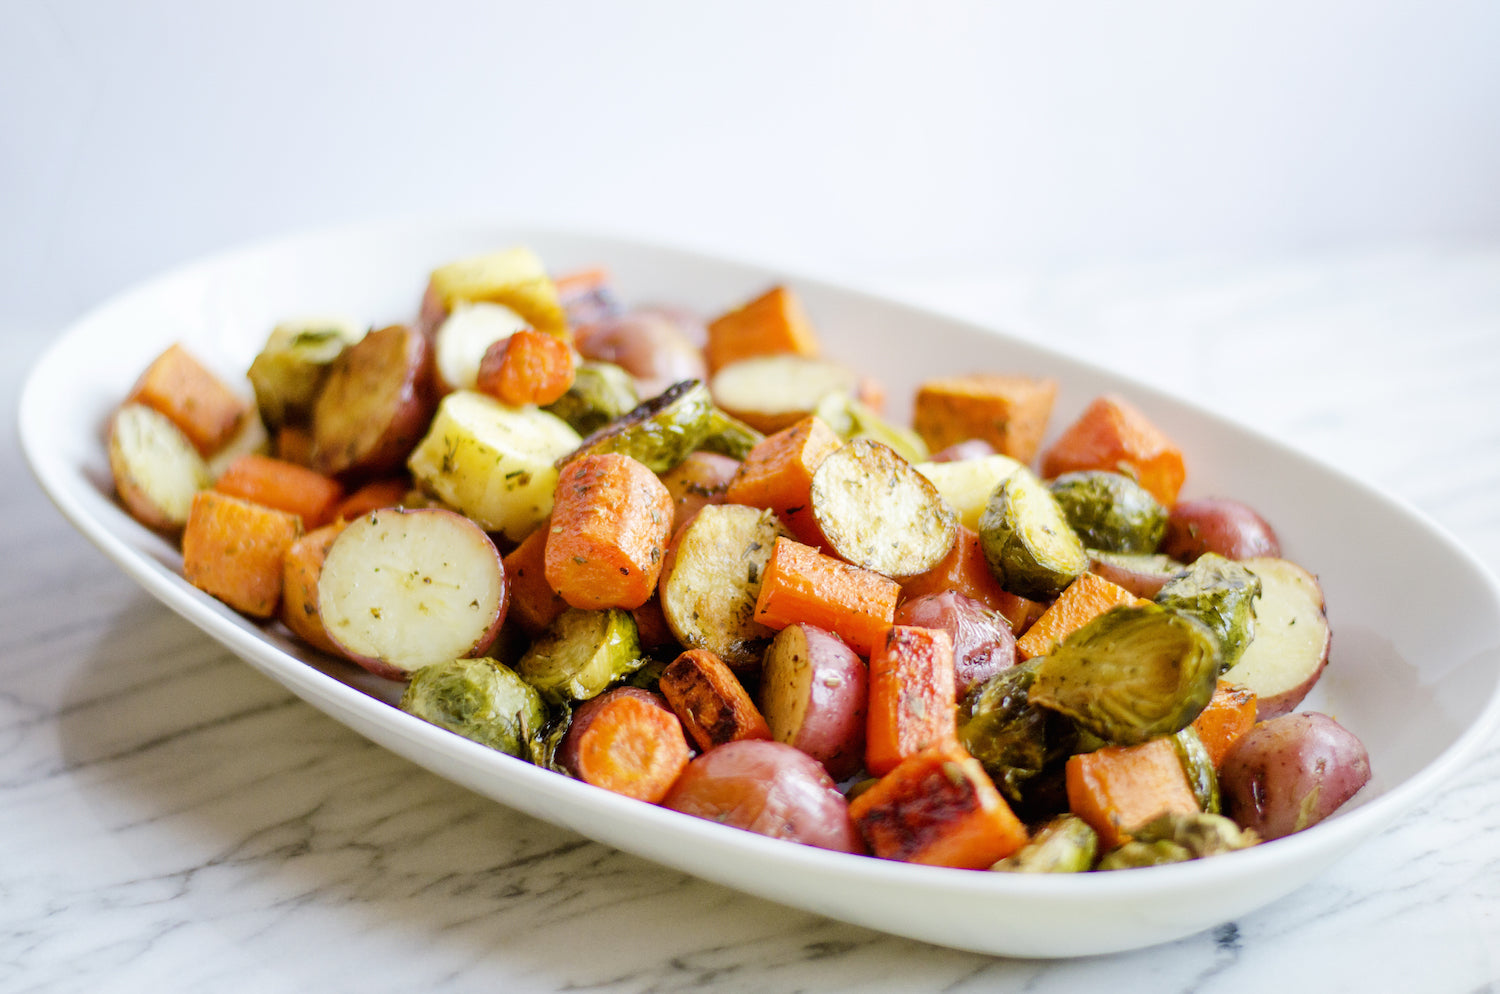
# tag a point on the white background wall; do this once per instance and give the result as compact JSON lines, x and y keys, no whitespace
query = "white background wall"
{"x":848,"y":137}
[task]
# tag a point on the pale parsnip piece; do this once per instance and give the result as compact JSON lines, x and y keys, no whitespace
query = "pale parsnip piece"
{"x":492,"y":462}
{"x":876,"y":511}
{"x":402,"y":589}
{"x":156,"y":468}
{"x":967,"y":485}
{"x":464,"y":336}
{"x":1290,"y":648}
{"x":773,"y":392}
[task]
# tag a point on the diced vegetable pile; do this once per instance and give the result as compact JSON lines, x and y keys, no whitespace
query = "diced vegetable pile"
{"x":692,"y":563}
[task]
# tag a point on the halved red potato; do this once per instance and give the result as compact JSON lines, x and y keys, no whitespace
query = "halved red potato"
{"x":653,"y":346}
{"x":1292,"y":638}
{"x":375,"y":405}
{"x":401,"y":589}
{"x":1217,"y":524}
{"x":702,"y":478}
{"x":1291,"y":772}
{"x":983,"y":644}
{"x":156,"y":467}
{"x":814,"y":690}
{"x":768,"y":788}
{"x":772,"y":392}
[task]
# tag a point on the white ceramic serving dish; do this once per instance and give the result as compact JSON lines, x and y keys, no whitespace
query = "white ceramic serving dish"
{"x":1420,"y":683}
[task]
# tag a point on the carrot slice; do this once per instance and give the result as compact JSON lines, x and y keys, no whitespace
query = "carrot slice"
{"x":283,"y":485}
{"x":912,"y":696}
{"x":710,"y":701}
{"x":1080,"y":602}
{"x":299,"y":594}
{"x":940,"y":808}
{"x":770,"y":324}
{"x":533,"y":603}
{"x":192,"y":397}
{"x":1113,"y":435}
{"x":611,"y":518}
{"x":626,"y":740}
{"x":1119,"y":788}
{"x":802,"y":584}
{"x":777,"y":474}
{"x":527,"y":367}
{"x":234,"y":550}
{"x":1229,"y":714}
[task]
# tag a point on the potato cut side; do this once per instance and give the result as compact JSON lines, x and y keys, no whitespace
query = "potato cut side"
{"x":156,"y":467}
{"x":1290,"y":648}
{"x":877,"y":512}
{"x":773,"y":392}
{"x":402,"y":589}
{"x":966,"y":485}
{"x":493,"y":462}
{"x":464,"y":336}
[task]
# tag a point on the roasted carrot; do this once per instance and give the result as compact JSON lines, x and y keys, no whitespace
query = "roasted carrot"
{"x":965,"y":570}
{"x":283,"y":485}
{"x":1009,"y":412}
{"x":913,"y":702}
{"x":526,"y":368}
{"x":299,"y":594}
{"x":390,"y":491}
{"x":234,"y":550}
{"x":1083,"y":600}
{"x":651,"y":624}
{"x":294,"y":444}
{"x":710,"y":701}
{"x":1113,"y":435}
{"x":611,"y":518}
{"x":1119,"y":788}
{"x":199,"y":403}
{"x":533,"y":602}
{"x":626,"y":740}
{"x":777,"y":474}
{"x":940,"y":808}
{"x":802,"y":584}
{"x":772,"y":323}
{"x":1229,"y":714}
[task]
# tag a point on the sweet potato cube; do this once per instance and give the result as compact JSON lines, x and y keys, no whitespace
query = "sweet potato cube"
{"x":802,"y":584}
{"x":710,"y":701}
{"x":1113,"y":435}
{"x":1119,"y":788}
{"x":199,"y":403}
{"x":1229,"y":714}
{"x":777,"y":474}
{"x":939,"y":808}
{"x":770,"y":324}
{"x":913,"y":697}
{"x":611,"y":518}
{"x":235,"y":550}
{"x":1009,"y":412}
{"x":1083,"y":600}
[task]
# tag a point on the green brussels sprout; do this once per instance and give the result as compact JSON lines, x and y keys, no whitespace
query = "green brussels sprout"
{"x":479,"y":699}
{"x":289,"y":371}
{"x":729,"y":436}
{"x":1133,"y":673}
{"x":850,"y":419}
{"x":660,"y":432}
{"x":1135,"y":854}
{"x":1013,"y":740}
{"x":1220,"y":593}
{"x":601,"y":392}
{"x":648,"y":677}
{"x":1029,"y":546}
{"x":1199,"y":767}
{"x":543,"y":741}
{"x":581,"y":654}
{"x":1110,"y":511}
{"x":1176,"y":837}
{"x":1066,"y":844}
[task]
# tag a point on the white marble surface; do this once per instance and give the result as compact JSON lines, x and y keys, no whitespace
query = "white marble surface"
{"x":173,"y":821}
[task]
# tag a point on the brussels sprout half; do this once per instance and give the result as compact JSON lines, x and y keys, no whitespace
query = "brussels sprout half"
{"x":1029,"y":545}
{"x":581,"y":653}
{"x":1131,"y":674}
{"x":1066,"y":844}
{"x":1176,"y":838}
{"x":659,"y":432}
{"x":1220,"y":593}
{"x":479,"y":699}
{"x":1015,"y":741}
{"x":1110,"y":511}
{"x":600,"y":393}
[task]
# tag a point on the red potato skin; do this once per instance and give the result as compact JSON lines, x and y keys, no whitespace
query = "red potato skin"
{"x":982,"y":641}
{"x":651,"y":345}
{"x":698,"y":480}
{"x":1291,"y":772}
{"x":833,"y":725}
{"x":768,"y":788}
{"x":1217,"y":524}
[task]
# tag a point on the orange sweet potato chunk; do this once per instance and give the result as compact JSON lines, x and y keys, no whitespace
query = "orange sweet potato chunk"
{"x":1113,"y":435}
{"x":235,"y":550}
{"x":772,"y":323}
{"x":199,"y":403}
{"x":1084,"y":599}
{"x":1009,"y":412}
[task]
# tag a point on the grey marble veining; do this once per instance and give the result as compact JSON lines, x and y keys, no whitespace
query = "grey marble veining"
{"x":174,"y":821}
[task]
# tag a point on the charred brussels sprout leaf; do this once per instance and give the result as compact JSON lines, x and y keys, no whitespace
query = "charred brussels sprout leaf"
{"x":1014,"y":740}
{"x":1135,"y":854}
{"x":1175,"y":838}
{"x":1199,"y":767}
{"x":581,"y":653}
{"x":660,"y":432}
{"x":479,"y":699}
{"x":1110,"y":511}
{"x":1131,"y":674}
{"x":601,"y":392}
{"x":1220,"y":593}
{"x":1066,"y":844}
{"x":543,"y":741}
{"x":1029,"y":546}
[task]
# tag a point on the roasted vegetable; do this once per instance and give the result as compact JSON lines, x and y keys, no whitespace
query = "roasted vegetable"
{"x":1175,"y":837}
{"x":1218,"y":524}
{"x":852,"y":419}
{"x":292,"y":365}
{"x":1142,"y":575}
{"x":1221,"y":595}
{"x":982,"y":643}
{"x":479,"y":699}
{"x":772,"y":392}
{"x":1031,"y":548}
{"x":581,"y":654}
{"x":375,"y":405}
{"x":1199,"y":767}
{"x":1292,"y":638}
{"x":1015,"y":740}
{"x":1133,"y":673}
{"x":659,"y":432}
{"x":628,"y":741}
{"x":1291,"y":772}
{"x":600,"y":393}
{"x":157,"y":470}
{"x":1066,"y":844}
{"x":1110,"y":511}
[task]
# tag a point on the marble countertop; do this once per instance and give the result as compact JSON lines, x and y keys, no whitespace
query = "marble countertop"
{"x":175,"y":821}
